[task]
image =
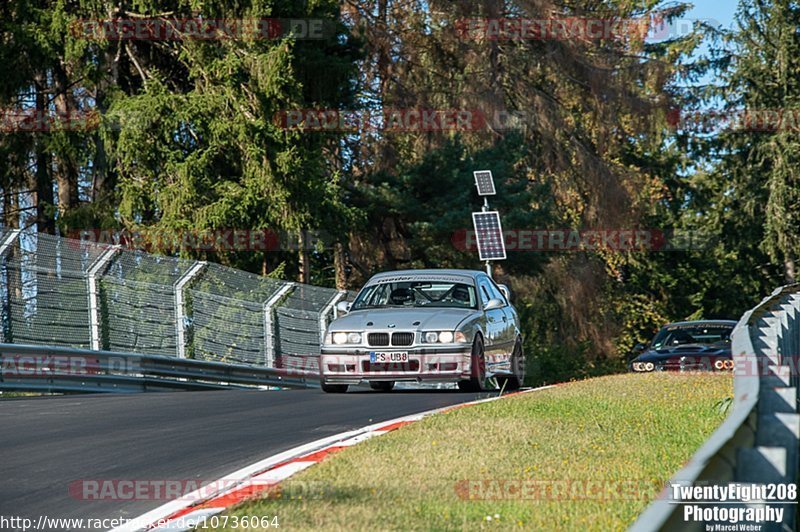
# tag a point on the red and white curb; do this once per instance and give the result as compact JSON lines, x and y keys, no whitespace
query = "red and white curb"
{"x":263,"y":476}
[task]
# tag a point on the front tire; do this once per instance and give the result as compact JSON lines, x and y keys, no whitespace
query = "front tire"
{"x":334,"y":388}
{"x":382,"y":386}
{"x":514,"y":382}
{"x":477,"y":382}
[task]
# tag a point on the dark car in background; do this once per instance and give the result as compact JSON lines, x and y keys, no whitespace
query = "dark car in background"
{"x":687,"y":346}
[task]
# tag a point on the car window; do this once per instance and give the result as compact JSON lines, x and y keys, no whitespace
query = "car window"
{"x":485,"y":291}
{"x":418,"y":293}
{"x":671,"y":336}
{"x":496,"y":293}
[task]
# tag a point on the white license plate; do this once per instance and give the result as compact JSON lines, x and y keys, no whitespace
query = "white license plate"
{"x":394,"y":356}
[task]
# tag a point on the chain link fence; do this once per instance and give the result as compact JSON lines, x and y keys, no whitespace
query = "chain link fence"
{"x":74,"y":293}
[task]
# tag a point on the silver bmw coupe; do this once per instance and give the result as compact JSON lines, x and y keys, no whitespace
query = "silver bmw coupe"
{"x":425,"y":326}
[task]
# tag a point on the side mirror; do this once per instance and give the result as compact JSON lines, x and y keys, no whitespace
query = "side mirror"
{"x":342,"y":307}
{"x":638,"y":349}
{"x":494,"y":303}
{"x":505,"y":290}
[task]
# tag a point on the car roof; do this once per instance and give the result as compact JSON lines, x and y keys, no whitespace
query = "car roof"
{"x":432,"y":272}
{"x":702,"y":322}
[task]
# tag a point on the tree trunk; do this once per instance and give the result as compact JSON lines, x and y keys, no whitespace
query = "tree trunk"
{"x":10,"y":208}
{"x":789,"y":270}
{"x":104,"y":179}
{"x":339,"y":260}
{"x":67,"y":166}
{"x":43,"y":184}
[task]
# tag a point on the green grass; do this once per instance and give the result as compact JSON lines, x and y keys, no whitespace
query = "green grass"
{"x":635,"y":428}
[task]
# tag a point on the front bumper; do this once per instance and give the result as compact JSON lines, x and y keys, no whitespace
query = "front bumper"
{"x":680,"y":364}
{"x":354,"y":365}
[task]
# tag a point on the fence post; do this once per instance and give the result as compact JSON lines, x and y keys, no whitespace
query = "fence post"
{"x":94,"y":315}
{"x":269,"y":333}
{"x":180,"y":326}
{"x":323,"y":315}
{"x":8,"y":241}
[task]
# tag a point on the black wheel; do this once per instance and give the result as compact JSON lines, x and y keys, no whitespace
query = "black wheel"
{"x":382,"y":386}
{"x":477,"y":381}
{"x":517,"y":367}
{"x":334,"y":388}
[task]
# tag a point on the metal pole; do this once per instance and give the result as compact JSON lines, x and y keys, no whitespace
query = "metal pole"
{"x":9,"y":240}
{"x":94,"y":314}
{"x":4,"y":247}
{"x":180,"y":326}
{"x":484,"y":209}
{"x":269,"y":334}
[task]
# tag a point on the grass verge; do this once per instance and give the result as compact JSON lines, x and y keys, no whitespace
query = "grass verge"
{"x":629,"y":432}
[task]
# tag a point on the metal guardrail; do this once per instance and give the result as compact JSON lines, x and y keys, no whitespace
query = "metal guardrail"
{"x":758,"y":441}
{"x":60,"y":369}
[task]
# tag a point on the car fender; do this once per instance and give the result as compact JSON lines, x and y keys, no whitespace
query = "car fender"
{"x":472,"y":325}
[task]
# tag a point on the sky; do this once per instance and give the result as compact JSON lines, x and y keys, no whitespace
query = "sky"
{"x":717,"y":12}
{"x":721,"y":11}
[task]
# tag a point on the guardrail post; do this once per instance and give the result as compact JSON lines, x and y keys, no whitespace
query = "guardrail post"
{"x":269,"y":333}
{"x":323,"y":316}
{"x":180,"y":325}
{"x":8,"y":241}
{"x":94,"y":315}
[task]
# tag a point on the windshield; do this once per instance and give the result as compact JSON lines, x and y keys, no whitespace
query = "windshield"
{"x":417,"y":294}
{"x":692,"y":334}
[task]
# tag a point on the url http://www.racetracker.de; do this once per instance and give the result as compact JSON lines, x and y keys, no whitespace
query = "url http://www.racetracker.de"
{"x":44,"y":522}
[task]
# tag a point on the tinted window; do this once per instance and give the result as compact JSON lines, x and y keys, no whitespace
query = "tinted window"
{"x":671,"y":336}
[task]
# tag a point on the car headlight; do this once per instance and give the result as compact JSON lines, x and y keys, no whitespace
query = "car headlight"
{"x":648,"y":366}
{"x":443,"y":337}
{"x":341,"y":338}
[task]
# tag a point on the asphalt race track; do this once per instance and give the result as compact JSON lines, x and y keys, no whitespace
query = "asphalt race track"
{"x":48,"y":443}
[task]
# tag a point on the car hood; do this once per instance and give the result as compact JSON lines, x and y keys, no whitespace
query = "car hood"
{"x":402,"y":319}
{"x":685,"y":350}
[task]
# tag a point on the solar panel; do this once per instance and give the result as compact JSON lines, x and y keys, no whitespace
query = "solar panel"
{"x":489,"y":235}
{"x":484,"y":182}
